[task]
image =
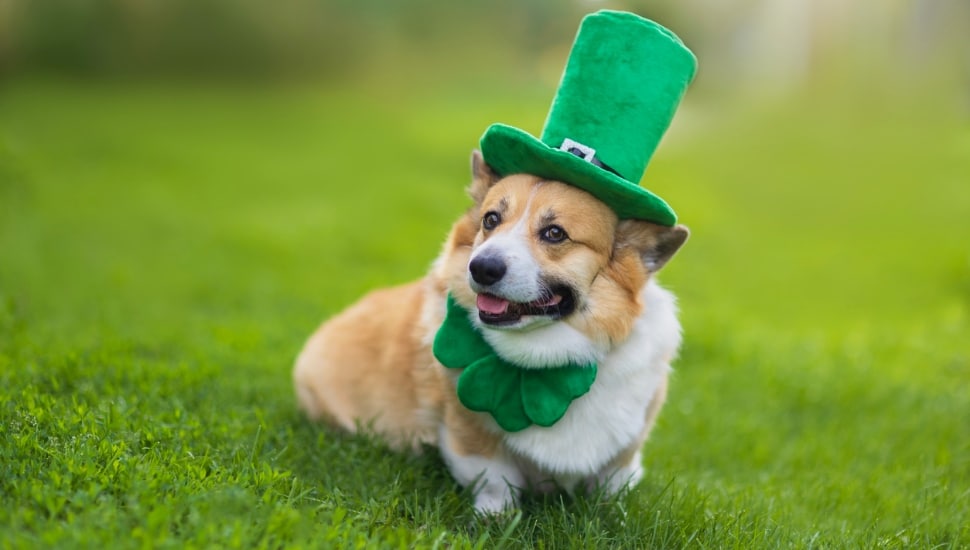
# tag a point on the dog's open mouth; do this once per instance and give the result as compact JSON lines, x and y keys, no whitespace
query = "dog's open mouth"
{"x":495,"y":310}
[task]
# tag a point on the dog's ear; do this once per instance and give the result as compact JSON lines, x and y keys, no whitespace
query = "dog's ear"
{"x":656,"y":244}
{"x":483,"y":178}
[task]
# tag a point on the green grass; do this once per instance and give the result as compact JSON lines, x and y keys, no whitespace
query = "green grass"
{"x":165,"y":250}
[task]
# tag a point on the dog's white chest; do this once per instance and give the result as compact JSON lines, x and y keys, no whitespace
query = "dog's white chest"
{"x":600,"y":424}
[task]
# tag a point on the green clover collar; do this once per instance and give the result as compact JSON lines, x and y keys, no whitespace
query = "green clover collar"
{"x":516,"y":397}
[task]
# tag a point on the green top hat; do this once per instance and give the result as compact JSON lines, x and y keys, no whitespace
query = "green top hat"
{"x":623,"y":81}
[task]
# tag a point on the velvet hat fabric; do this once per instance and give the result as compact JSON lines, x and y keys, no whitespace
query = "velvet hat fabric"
{"x":622,"y":84}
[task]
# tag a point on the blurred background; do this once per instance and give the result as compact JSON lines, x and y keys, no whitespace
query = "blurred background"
{"x":746,"y":45}
{"x":820,"y":156}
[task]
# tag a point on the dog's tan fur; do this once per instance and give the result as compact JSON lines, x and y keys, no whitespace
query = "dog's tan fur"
{"x":372,"y":364}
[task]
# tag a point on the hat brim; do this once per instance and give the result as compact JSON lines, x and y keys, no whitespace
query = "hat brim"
{"x":508,"y":150}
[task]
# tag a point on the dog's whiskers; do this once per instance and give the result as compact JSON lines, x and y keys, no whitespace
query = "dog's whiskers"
{"x":545,"y":292}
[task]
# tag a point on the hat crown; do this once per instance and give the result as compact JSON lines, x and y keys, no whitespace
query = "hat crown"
{"x":621,"y":87}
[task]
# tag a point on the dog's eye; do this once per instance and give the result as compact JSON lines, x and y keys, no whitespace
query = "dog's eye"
{"x":491,"y":220}
{"x":553,"y":234}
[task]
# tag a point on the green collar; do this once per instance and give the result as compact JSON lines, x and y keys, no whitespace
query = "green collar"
{"x":515,"y":397}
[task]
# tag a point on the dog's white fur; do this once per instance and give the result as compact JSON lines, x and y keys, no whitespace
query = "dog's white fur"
{"x":611,"y":415}
{"x":343,"y":377}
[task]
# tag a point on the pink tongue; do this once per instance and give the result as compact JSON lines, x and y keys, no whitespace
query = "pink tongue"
{"x":492,"y":304}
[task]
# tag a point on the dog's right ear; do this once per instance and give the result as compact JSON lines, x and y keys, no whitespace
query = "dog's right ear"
{"x":483,"y":178}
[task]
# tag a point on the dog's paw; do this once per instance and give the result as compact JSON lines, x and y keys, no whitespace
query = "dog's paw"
{"x":494,"y":499}
{"x":613,"y":481}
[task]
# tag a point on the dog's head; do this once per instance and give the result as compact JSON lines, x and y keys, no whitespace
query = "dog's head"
{"x":542,"y":253}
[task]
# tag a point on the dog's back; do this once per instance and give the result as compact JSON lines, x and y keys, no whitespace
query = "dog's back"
{"x":367,"y":367}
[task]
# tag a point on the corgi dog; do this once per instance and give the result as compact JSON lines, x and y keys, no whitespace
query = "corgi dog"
{"x":547,"y":275}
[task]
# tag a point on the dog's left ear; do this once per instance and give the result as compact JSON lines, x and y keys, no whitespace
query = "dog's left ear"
{"x":656,"y":244}
{"x":483,"y":178}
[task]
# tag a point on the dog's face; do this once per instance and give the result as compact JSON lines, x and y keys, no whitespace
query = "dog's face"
{"x":538,"y":248}
{"x":546,"y":252}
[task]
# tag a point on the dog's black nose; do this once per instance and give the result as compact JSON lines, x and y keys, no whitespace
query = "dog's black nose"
{"x":487,"y":270}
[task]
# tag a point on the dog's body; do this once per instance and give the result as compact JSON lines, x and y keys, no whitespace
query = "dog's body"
{"x":551,"y":276}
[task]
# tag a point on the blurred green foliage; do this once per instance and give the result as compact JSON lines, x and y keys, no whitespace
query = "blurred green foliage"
{"x":206,"y":38}
{"x":749,"y":49}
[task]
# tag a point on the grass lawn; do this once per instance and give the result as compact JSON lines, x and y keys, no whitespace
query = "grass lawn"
{"x":164,"y":251}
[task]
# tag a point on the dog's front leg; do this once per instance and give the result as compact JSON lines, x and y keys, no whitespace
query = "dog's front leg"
{"x":495,"y":479}
{"x":626,"y":469}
